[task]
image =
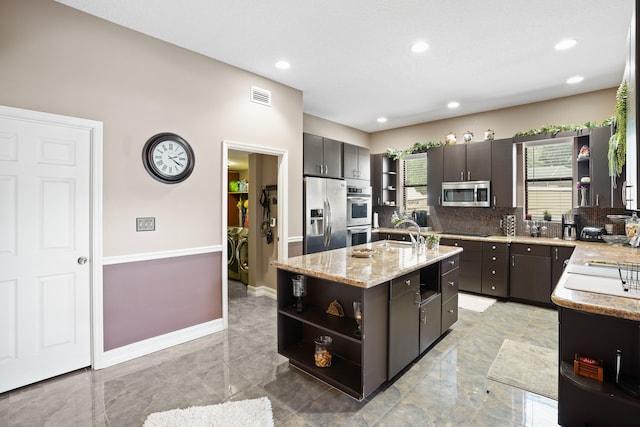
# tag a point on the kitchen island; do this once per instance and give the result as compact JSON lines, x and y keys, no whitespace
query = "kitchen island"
{"x":408,"y":297}
{"x":594,"y":323}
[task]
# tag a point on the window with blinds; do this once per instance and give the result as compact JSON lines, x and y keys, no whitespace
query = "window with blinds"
{"x":414,"y":180}
{"x":549,"y":184}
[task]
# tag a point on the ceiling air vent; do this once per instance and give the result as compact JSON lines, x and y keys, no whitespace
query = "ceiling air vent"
{"x":260,"y":96}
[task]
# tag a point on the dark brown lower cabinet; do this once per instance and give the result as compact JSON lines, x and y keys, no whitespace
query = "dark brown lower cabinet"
{"x":404,"y":333}
{"x":470,"y":279}
{"x":587,"y":402}
{"x":530,"y":273}
{"x":495,"y":269}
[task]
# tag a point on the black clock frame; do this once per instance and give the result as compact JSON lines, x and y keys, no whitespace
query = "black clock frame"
{"x":147,"y":158}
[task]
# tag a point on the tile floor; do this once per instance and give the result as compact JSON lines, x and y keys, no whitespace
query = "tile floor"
{"x":446,"y":387}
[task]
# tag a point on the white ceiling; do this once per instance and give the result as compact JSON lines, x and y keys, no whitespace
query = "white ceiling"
{"x":352,"y":59}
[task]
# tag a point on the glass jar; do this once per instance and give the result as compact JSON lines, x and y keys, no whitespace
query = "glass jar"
{"x":323,"y":351}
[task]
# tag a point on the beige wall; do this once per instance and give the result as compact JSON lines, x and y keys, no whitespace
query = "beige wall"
{"x":317,"y":126}
{"x":62,"y":61}
{"x":573,"y":110}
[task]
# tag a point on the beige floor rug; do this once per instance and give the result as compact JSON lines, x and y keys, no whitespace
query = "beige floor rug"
{"x":243,"y":413}
{"x":474,"y":302}
{"x":528,"y":367}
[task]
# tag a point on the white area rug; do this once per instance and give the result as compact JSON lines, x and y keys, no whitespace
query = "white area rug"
{"x":474,"y":302}
{"x":528,"y":367}
{"x":243,"y":413}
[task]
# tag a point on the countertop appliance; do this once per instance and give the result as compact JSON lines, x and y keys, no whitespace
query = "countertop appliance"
{"x":592,"y":234}
{"x":569,"y":226}
{"x":325,"y":214}
{"x":421,"y":218}
{"x":475,"y":194}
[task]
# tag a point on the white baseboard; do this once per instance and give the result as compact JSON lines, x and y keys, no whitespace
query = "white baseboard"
{"x":151,"y":345}
{"x":259,"y":291}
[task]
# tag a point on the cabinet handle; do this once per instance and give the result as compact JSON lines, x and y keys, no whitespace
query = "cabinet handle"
{"x":493,"y":288}
{"x":455,"y":244}
{"x":439,"y":200}
{"x":556,"y":254}
{"x":450,"y":312}
{"x":468,"y":175}
{"x":461,"y":175}
{"x":407,"y":282}
{"x":326,"y":169}
{"x":597,"y":200}
{"x":453,"y":284}
{"x":493,"y":247}
{"x":495,"y":203}
{"x":529,"y":249}
{"x":423,"y":316}
{"x":493,"y":272}
{"x":493,"y":258}
{"x":513,"y":261}
{"x":417,"y":298}
{"x":453,"y":262}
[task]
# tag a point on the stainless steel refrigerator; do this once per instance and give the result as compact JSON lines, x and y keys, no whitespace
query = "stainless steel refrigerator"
{"x":325,"y":214}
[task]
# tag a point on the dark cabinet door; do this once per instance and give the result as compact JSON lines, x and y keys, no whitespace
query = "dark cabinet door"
{"x":332,"y":155}
{"x":502,"y":173}
{"x":434,"y":175}
{"x":355,"y":162}
{"x":430,"y":314}
{"x":601,"y":187}
{"x":558,"y":256}
{"x":404,"y":332}
{"x":455,"y":163}
{"x":478,"y":161}
{"x":530,"y":278}
{"x":312,"y":155}
{"x":321,"y":156}
{"x":470,"y":276}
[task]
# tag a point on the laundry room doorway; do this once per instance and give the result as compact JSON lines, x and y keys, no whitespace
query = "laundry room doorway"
{"x":254,"y":190}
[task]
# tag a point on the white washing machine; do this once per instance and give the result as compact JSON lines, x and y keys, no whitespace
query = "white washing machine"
{"x":242,"y":255}
{"x":232,"y":248}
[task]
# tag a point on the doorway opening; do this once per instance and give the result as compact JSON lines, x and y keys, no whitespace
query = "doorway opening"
{"x":254,"y":217}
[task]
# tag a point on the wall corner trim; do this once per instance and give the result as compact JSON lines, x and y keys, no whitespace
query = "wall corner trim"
{"x":149,"y":256}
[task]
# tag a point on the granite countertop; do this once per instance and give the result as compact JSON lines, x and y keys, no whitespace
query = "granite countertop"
{"x":591,"y":302}
{"x":339,"y":265}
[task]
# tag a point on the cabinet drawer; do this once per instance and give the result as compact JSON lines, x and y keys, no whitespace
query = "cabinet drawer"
{"x":495,"y":248}
{"x":533,"y":250}
{"x":449,"y":284}
{"x":449,"y":264}
{"x":407,"y":283}
{"x":449,"y":313}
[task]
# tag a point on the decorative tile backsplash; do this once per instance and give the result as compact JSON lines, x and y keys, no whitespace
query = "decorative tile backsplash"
{"x":487,"y":220}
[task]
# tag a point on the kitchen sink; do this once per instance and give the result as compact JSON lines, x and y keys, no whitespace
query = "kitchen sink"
{"x":598,"y":277}
{"x":395,"y":244}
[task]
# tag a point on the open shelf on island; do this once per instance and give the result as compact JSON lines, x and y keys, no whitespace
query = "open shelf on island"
{"x":343,"y":374}
{"x":343,"y":326}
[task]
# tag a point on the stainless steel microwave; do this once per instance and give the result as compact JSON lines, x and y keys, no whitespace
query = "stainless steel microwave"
{"x":475,"y":194}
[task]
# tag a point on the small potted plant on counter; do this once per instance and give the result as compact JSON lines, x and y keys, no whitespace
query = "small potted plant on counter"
{"x":433,"y":241}
{"x":546,"y":215}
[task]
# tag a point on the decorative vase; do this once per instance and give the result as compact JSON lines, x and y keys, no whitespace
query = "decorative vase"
{"x":489,"y":135}
{"x":583,"y":197}
{"x":450,"y":138}
{"x":467,"y":137}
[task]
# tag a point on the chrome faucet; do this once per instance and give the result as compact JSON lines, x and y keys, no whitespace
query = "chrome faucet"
{"x":418,"y":241}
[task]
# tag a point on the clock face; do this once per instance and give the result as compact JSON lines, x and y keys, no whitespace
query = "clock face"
{"x":168,"y":158}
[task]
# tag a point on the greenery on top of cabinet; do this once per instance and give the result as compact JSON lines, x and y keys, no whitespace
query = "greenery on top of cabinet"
{"x":418,"y":147}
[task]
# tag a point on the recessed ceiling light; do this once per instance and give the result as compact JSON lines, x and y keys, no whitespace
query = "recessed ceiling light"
{"x":575,"y":79}
{"x":453,"y":104}
{"x":283,"y":65}
{"x":565,"y":44}
{"x":419,"y":47}
{"x":381,"y":120}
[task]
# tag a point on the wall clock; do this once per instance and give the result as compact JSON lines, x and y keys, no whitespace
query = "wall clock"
{"x":168,"y":158}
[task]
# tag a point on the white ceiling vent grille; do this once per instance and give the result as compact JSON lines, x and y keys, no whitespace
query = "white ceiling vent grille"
{"x":261,"y":96}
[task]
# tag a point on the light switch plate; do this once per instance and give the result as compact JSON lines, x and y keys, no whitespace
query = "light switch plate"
{"x":146,"y":223}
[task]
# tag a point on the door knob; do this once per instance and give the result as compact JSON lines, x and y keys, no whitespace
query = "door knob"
{"x":82,"y":260}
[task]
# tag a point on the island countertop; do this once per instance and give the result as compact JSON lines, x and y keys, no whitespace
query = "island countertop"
{"x":388,"y":262}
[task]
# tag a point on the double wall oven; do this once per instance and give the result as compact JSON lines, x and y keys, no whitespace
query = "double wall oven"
{"x":359,"y":212}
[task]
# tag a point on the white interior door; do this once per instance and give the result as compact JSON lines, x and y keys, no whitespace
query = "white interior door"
{"x":45,"y":316}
